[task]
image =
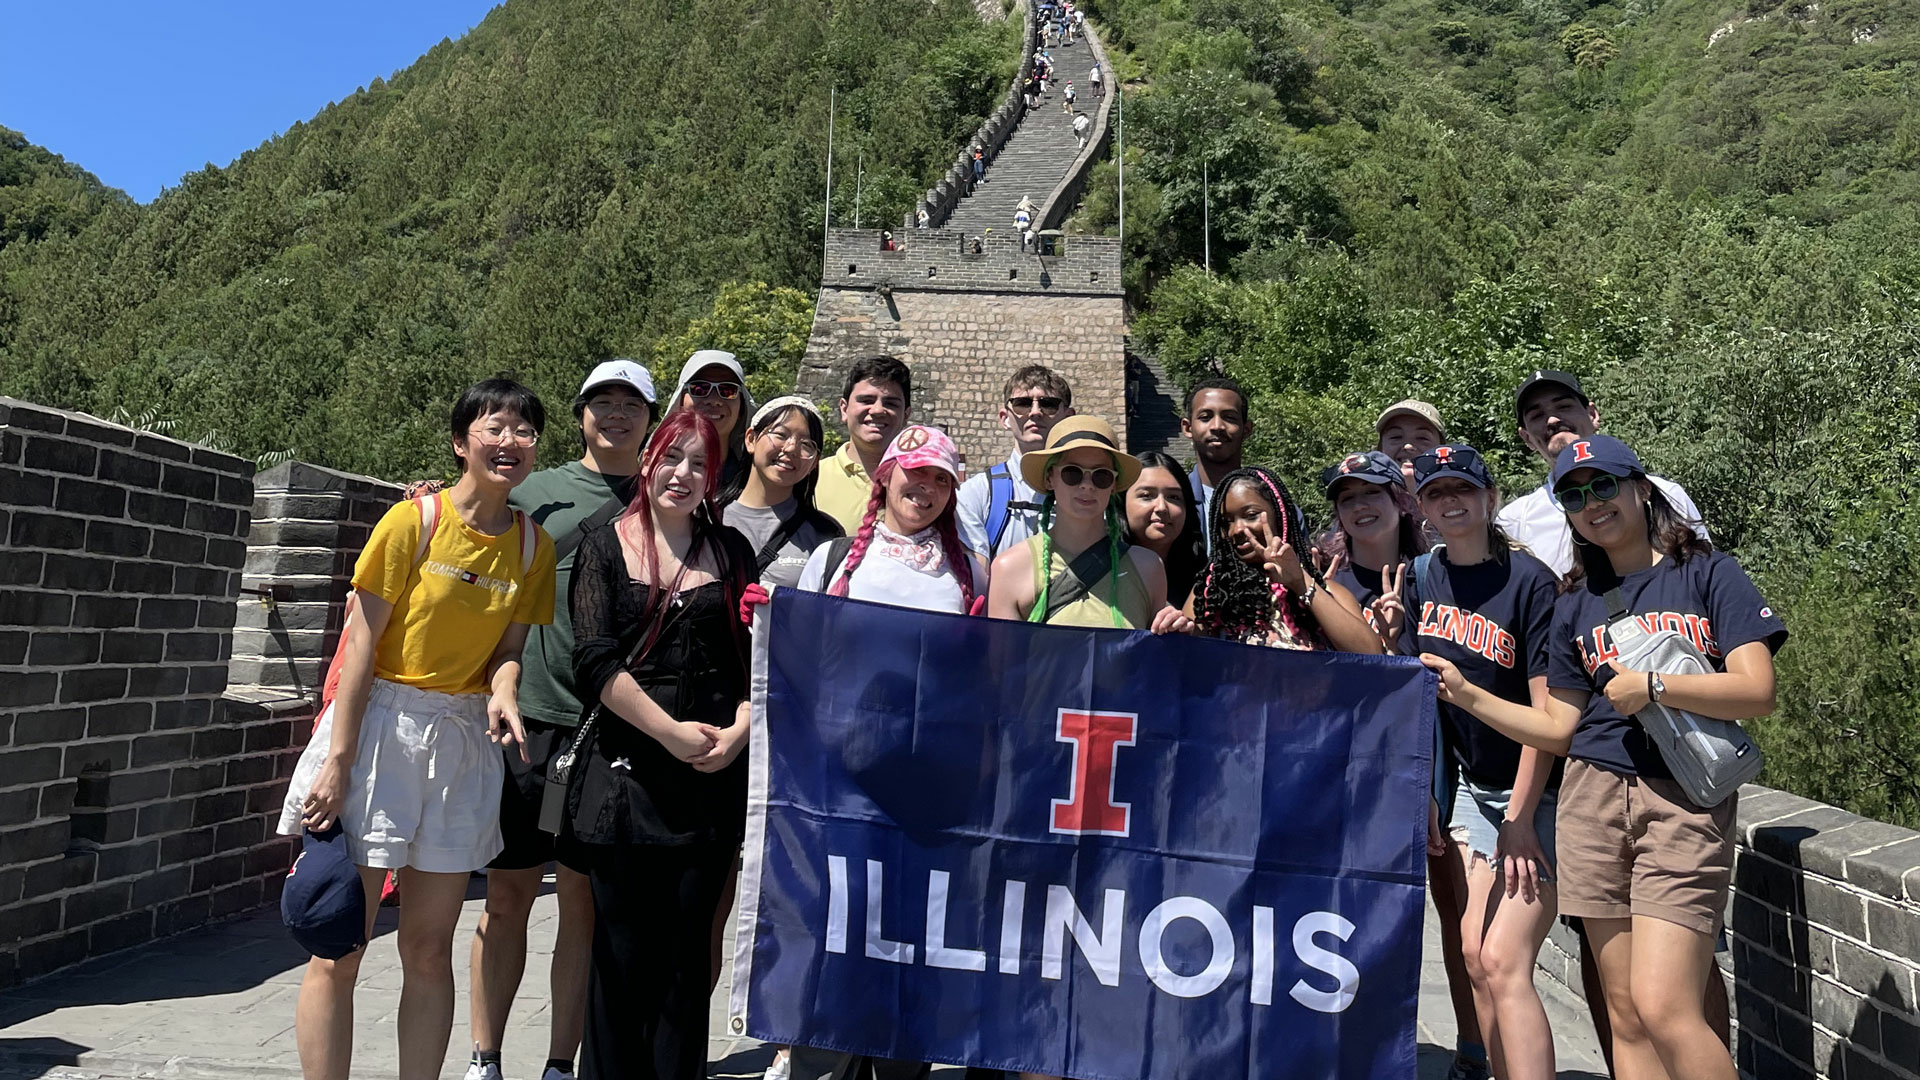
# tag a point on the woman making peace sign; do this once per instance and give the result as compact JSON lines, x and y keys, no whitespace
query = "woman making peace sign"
{"x":1254,"y":588}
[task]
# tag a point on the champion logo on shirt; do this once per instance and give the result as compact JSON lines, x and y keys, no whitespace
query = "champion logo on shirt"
{"x":493,"y":584}
{"x":1468,"y":628}
{"x":1697,"y":628}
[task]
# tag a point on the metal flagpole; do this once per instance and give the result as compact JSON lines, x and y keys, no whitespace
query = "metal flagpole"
{"x":859,"y":174}
{"x":1206,"y":216}
{"x":826,"y":223}
{"x":1120,"y":137}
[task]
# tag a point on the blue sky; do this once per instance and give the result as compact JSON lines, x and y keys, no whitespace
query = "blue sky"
{"x":142,"y":93}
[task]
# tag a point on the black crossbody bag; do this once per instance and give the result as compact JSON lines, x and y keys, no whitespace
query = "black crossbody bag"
{"x":560,"y":770}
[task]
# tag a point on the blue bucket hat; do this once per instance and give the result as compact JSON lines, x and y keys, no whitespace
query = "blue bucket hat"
{"x":324,"y":904}
{"x":1453,"y":459}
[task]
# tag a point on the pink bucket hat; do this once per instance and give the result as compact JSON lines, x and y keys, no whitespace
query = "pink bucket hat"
{"x":919,"y":445}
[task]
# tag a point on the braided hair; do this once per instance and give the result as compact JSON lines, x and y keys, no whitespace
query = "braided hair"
{"x":946,"y":525}
{"x":1116,"y":528}
{"x":1235,"y":599}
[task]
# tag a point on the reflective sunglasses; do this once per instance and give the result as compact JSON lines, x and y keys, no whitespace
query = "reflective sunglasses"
{"x":1572,"y":499}
{"x":1047,"y":405}
{"x":701,"y":388}
{"x":1073,"y":475}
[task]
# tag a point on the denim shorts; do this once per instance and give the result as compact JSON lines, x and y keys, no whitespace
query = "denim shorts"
{"x":1478,"y":812}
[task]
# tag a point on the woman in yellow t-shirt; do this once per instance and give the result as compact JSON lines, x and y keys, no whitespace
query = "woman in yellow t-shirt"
{"x":402,"y":760}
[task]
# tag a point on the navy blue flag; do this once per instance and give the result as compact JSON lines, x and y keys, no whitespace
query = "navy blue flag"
{"x":1097,"y":854}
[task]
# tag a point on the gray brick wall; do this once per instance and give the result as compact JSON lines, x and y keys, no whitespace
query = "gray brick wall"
{"x":309,"y":524}
{"x":1823,"y":964}
{"x":133,"y":794}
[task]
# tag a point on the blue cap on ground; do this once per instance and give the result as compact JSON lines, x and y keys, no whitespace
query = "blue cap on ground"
{"x":1603,"y":452}
{"x":1372,"y":466}
{"x":324,"y":904}
{"x":1452,"y":459}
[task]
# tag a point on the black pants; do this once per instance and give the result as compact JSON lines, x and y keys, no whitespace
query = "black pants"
{"x":653,"y":910}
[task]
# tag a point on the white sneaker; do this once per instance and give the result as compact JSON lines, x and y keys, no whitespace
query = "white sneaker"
{"x":482,"y":1072}
{"x":555,"y":1074}
{"x":781,"y":1069}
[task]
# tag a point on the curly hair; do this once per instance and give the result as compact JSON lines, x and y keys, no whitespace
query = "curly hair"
{"x":1234,"y":598}
{"x":947,"y":525}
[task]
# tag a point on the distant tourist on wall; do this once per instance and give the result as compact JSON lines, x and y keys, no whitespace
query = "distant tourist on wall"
{"x":1093,"y":79}
{"x":1082,"y":129}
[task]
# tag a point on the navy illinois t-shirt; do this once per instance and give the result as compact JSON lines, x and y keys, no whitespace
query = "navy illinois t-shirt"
{"x":1707,"y":597}
{"x":1492,"y":620}
{"x":1364,"y":584}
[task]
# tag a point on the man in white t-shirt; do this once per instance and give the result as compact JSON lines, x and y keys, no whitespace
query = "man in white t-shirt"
{"x":1554,"y":413}
{"x":997,"y":508}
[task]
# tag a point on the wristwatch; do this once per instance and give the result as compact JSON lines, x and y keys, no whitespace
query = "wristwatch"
{"x":1655,"y":686}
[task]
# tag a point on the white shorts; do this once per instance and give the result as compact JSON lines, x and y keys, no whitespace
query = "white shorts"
{"x":425,"y":787}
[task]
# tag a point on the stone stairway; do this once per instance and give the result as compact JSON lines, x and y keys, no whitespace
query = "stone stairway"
{"x":1037,"y":156}
{"x":1154,"y":409}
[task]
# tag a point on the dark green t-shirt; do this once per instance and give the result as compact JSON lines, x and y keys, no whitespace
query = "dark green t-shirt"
{"x":559,"y":500}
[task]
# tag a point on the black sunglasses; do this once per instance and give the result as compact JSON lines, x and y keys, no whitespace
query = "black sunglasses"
{"x":1574,"y":497}
{"x":702,"y":388}
{"x":1072,"y":475}
{"x":1048,"y":405}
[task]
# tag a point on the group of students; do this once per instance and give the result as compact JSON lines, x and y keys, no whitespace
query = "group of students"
{"x":598,"y":612}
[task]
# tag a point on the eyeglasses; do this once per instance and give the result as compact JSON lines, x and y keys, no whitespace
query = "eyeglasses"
{"x":1573,"y":499}
{"x":806,"y":448}
{"x":1046,"y":405}
{"x":602,"y":407}
{"x":499,"y":436}
{"x":701,"y":388}
{"x":1074,"y":475}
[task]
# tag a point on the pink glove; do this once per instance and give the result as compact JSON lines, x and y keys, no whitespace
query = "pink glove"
{"x":752,"y":597}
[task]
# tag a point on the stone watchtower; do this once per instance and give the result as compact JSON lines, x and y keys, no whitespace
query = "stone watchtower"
{"x":964,"y":321}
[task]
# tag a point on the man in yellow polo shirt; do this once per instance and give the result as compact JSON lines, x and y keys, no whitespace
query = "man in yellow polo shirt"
{"x":873,"y":406}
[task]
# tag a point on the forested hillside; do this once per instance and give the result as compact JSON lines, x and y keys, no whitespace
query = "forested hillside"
{"x":1710,"y":210}
{"x":573,"y":179}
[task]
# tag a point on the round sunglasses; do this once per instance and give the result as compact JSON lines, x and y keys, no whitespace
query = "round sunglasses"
{"x":1574,"y":498}
{"x":701,"y":388}
{"x":1074,"y":475}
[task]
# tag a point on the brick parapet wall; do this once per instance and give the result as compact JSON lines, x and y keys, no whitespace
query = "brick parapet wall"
{"x":992,"y":134}
{"x":309,"y":524}
{"x":942,"y":260}
{"x":962,"y":347}
{"x":1823,"y":925}
{"x":133,"y":795}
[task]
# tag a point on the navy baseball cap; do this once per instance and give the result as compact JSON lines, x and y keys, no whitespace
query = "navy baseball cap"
{"x":324,"y":904}
{"x":1544,"y":377}
{"x":1453,"y":459}
{"x":1371,"y":466}
{"x":1603,"y":452}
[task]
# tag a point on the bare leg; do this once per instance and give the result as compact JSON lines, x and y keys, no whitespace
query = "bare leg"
{"x":1448,"y":884}
{"x":323,"y":1019}
{"x":1473,"y":926}
{"x":499,"y":955}
{"x":1634,"y":1058}
{"x":1515,"y":929}
{"x":1671,"y":966}
{"x":572,"y":958}
{"x":426,"y":968}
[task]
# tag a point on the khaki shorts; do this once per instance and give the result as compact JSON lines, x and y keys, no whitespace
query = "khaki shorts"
{"x":1633,"y":845}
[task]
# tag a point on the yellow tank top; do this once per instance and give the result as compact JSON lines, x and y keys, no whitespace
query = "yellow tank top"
{"x":1092,"y":609}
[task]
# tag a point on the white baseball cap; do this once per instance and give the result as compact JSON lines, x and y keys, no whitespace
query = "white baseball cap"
{"x":623,"y":371}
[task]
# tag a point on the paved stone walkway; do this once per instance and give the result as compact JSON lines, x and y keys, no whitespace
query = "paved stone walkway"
{"x":217,"y":1004}
{"x":1036,"y":156}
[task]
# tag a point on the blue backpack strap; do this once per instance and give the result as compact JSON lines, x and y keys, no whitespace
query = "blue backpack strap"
{"x":999,"y":506}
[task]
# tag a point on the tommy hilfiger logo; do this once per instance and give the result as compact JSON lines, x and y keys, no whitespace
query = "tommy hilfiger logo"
{"x":1090,"y":808}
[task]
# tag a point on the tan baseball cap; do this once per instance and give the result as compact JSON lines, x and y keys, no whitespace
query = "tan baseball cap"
{"x":1411,"y":407}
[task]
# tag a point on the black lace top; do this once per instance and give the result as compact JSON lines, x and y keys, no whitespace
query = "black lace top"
{"x":631,"y":790}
